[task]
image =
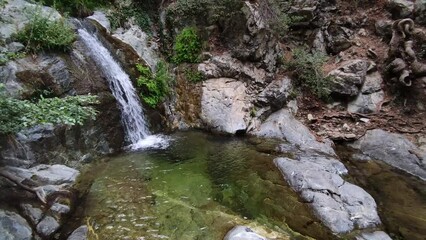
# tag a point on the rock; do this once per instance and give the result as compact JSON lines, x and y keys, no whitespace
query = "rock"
{"x":32,"y":213}
{"x":47,"y":226}
{"x":393,"y":149}
{"x":420,"y":11}
{"x":225,"y":66}
{"x":224,"y":107}
{"x":15,"y":47}
{"x":373,"y":83}
{"x":59,"y":209}
{"x":79,"y":234}
{"x":341,"y":205}
{"x":400,"y":8}
{"x":275,"y":94}
{"x":378,"y":235}
{"x":384,"y":28}
{"x":242,"y":233}
{"x":14,"y":227}
{"x":366,"y":103}
{"x":349,"y":77}
{"x":14,"y":16}
{"x":338,"y":38}
{"x":140,"y":42}
{"x":319,"y":44}
{"x":101,"y":19}
{"x":282,"y":124}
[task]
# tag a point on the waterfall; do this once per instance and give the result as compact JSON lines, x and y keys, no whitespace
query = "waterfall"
{"x":132,"y":116}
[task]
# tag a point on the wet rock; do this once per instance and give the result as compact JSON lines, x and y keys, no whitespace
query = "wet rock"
{"x":400,"y":8}
{"x":14,"y":16}
{"x":379,"y":235}
{"x":47,"y":226}
{"x":282,"y":124}
{"x":13,"y":226}
{"x":79,"y":234}
{"x":242,"y":233}
{"x":101,"y":19}
{"x":31,"y":213}
{"x":46,"y":174}
{"x":349,"y":77}
{"x":275,"y":94}
{"x":60,"y":209}
{"x":140,"y":42}
{"x":341,"y":206}
{"x":393,"y":149}
{"x":224,"y":107}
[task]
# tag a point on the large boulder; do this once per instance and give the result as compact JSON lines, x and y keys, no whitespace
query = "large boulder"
{"x":341,"y":205}
{"x":13,"y":227}
{"x":349,"y":77}
{"x":282,"y":124}
{"x":393,"y":149}
{"x":15,"y":15}
{"x":224,"y":105}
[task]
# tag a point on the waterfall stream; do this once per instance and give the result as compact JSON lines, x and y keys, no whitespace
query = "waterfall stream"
{"x":132,"y":116}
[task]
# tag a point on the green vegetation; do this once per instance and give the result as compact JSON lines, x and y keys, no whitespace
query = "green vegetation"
{"x":119,"y":16}
{"x":193,"y":75}
{"x":155,"y":87}
{"x":16,"y":114}
{"x":307,"y":69}
{"x":187,"y":47}
{"x":79,"y":8}
{"x":41,"y":33}
{"x":10,"y":56}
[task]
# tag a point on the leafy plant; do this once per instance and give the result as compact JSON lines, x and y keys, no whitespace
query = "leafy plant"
{"x":41,"y":33}
{"x":307,"y":68}
{"x":16,"y":114}
{"x":187,"y":47}
{"x":193,"y":75}
{"x":155,"y":87}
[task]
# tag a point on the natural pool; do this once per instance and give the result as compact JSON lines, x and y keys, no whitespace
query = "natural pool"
{"x":198,"y":188}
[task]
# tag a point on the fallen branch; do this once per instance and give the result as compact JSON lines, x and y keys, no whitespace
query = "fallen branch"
{"x":38,"y":191}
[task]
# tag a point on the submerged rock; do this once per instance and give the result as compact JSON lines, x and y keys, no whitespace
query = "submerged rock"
{"x":224,"y":105}
{"x":13,"y":227}
{"x":242,"y":233}
{"x":282,"y":124}
{"x":341,"y":205}
{"x":47,"y":226}
{"x":393,"y":149}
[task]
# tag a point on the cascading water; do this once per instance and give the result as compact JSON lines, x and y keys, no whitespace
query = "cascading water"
{"x":132,"y":115}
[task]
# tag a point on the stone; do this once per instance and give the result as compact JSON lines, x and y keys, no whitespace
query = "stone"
{"x":141,"y":43}
{"x":393,"y":149}
{"x":14,"y":16}
{"x":224,"y":105}
{"x":13,"y":227}
{"x":242,"y":233}
{"x":282,"y":124}
{"x":340,"y":205}
{"x":349,"y":77}
{"x":47,"y":226}
{"x":15,"y":47}
{"x":338,"y":38}
{"x":420,"y":11}
{"x":79,"y":234}
{"x":32,"y":213}
{"x":378,"y":235}
{"x":60,"y":208}
{"x":101,"y":19}
{"x":384,"y":28}
{"x":366,"y":103}
{"x":276,"y":94}
{"x":400,"y":8}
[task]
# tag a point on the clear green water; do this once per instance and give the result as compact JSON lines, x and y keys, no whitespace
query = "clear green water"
{"x":199,"y":188}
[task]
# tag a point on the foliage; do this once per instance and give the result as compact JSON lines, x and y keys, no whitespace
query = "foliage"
{"x":119,"y":16}
{"x":10,"y":56}
{"x":187,"y":47}
{"x":193,"y":75}
{"x":307,"y":68}
{"x":155,"y":87}
{"x":276,"y":13}
{"x":41,"y":33}
{"x":16,"y":114}
{"x":80,"y":8}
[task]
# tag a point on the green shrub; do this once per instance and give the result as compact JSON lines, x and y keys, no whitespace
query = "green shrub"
{"x":41,"y":33}
{"x":155,"y":87}
{"x":193,"y":75}
{"x":187,"y":47}
{"x":80,"y":8}
{"x":307,"y":69}
{"x":16,"y":115}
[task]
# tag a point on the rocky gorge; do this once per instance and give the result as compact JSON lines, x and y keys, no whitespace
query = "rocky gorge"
{"x":279,"y":161}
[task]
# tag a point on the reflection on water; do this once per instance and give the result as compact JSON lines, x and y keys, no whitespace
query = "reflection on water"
{"x":401,"y":198}
{"x":198,"y":188}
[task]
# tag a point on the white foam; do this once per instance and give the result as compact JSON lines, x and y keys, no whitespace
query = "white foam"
{"x":151,"y":142}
